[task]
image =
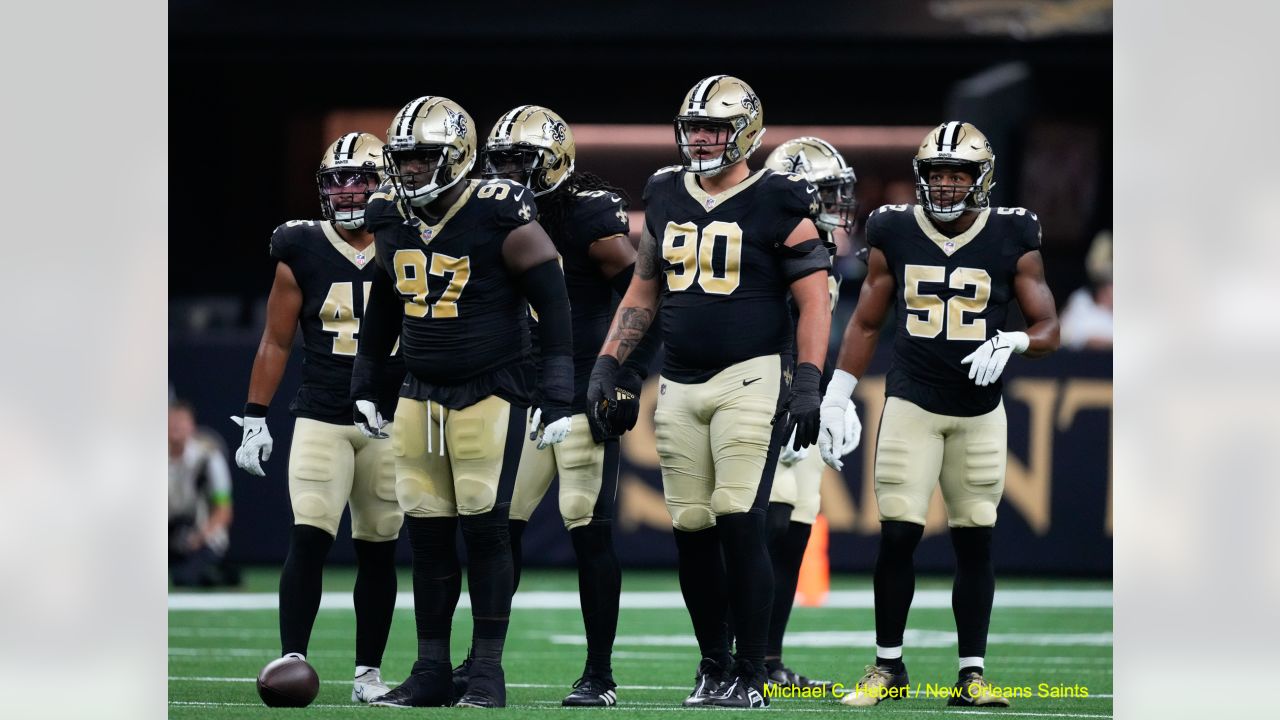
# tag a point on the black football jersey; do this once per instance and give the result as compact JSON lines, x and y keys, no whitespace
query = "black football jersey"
{"x":952,"y":294}
{"x":464,"y":333}
{"x":335,"y":279}
{"x":724,"y":294}
{"x":594,"y":214}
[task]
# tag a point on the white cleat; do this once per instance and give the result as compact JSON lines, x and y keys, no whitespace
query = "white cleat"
{"x":369,"y":686}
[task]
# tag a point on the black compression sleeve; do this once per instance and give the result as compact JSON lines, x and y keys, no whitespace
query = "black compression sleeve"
{"x":543,"y":286}
{"x":381,"y":322}
{"x":378,"y":331}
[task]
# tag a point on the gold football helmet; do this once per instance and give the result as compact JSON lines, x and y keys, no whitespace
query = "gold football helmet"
{"x":350,"y":170}
{"x":431,"y":145}
{"x":955,"y":144}
{"x":532,"y":146}
{"x":728,"y":106}
{"x":821,"y":164}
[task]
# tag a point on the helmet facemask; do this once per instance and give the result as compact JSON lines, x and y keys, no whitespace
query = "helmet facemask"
{"x":839,"y":205}
{"x":345,"y":192}
{"x":422,"y":172}
{"x":526,"y":165}
{"x":952,"y":200}
{"x":729,"y":152}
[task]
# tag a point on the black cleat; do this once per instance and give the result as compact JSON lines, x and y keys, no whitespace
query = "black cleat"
{"x":785,"y":677}
{"x":592,"y":691}
{"x":486,"y":685}
{"x":705,"y":684}
{"x":428,"y":685}
{"x":744,"y":690}
{"x":460,"y":676}
{"x":973,"y":690}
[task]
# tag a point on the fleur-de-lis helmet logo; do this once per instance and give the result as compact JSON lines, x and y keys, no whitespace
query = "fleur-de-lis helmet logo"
{"x":799,"y":163}
{"x":456,"y":123}
{"x":554,"y":129}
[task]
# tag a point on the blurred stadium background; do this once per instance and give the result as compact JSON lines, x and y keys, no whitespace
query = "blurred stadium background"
{"x":258,"y":90}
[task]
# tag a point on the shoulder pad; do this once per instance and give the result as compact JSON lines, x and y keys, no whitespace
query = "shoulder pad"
{"x":666,"y":174}
{"x":510,"y":202}
{"x":285,"y":238}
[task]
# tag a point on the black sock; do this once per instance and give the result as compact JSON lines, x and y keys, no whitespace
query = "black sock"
{"x":895,"y":580}
{"x":300,"y":585}
{"x":750,"y":581}
{"x":702,"y":582}
{"x":515,"y":528}
{"x":974,"y":589}
{"x":437,"y":582}
{"x":786,"y":552}
{"x":375,"y":598}
{"x":894,"y":664}
{"x":489,"y":580}
{"x":599,"y":589}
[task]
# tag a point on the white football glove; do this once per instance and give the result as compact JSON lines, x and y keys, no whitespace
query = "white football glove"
{"x":988,"y":361}
{"x":552,"y":434}
{"x":256,"y":438}
{"x":852,"y":430}
{"x":835,"y":405}
{"x":790,"y":457}
{"x":373,"y":423}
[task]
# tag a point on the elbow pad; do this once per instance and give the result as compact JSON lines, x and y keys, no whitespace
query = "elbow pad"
{"x":803,"y":259}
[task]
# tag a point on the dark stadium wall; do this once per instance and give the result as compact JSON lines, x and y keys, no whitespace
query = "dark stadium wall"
{"x":1055,"y":517}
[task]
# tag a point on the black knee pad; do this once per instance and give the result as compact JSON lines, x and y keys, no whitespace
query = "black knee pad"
{"x":972,"y":546}
{"x":899,"y":538}
{"x":776,"y":522}
{"x":486,"y":529}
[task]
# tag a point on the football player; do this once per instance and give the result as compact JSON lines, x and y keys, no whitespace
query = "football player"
{"x":462,"y":259}
{"x":950,"y":265}
{"x":587,"y":220}
{"x":322,"y":281}
{"x":721,"y":247}
{"x":794,"y":498}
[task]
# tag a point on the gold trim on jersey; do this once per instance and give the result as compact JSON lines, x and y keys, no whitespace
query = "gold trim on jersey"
{"x":359,"y":258}
{"x":426,"y":232}
{"x":949,"y":245}
{"x":709,"y":202}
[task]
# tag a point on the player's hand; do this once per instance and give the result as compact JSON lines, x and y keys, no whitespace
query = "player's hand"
{"x":988,"y":361}
{"x":836,"y":406}
{"x":852,"y":430}
{"x":789,"y":456}
{"x":803,"y":406}
{"x":367,"y":417}
{"x":613,"y":399}
{"x":255,"y":440}
{"x":552,"y":433}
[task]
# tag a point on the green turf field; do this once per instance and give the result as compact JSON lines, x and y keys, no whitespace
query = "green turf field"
{"x":1058,"y":633}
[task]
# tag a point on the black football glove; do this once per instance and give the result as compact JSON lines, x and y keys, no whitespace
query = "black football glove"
{"x":804,"y":406}
{"x":613,"y":399}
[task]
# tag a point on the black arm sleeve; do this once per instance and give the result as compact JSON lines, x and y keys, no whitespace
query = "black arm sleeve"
{"x":803,"y":259}
{"x":543,"y":286}
{"x":378,"y":331}
{"x":641,"y":357}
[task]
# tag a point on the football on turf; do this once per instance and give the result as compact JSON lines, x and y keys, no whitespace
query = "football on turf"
{"x":288,"y":682}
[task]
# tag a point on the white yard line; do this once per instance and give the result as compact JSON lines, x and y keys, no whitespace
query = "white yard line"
{"x":840,"y":599}
{"x":554,"y":705}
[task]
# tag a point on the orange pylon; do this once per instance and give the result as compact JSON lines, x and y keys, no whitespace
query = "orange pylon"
{"x":815,"y":570}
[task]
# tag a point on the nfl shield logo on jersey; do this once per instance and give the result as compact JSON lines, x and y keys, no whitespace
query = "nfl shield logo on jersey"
{"x":710,"y":201}
{"x":426,"y":234}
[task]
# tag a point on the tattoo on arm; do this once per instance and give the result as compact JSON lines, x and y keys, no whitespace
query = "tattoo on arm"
{"x":648,"y":260}
{"x":630,"y":328}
